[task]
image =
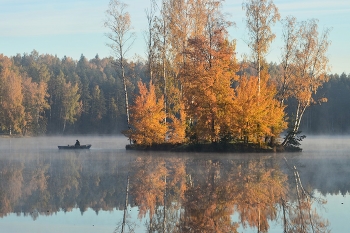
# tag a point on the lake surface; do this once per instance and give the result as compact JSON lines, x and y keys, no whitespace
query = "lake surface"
{"x":109,"y":189}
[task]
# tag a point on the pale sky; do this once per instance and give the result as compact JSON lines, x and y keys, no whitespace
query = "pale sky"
{"x":74,"y":27}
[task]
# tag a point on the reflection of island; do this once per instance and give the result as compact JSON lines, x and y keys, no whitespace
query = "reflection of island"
{"x":201,"y":196}
{"x":172,"y":194}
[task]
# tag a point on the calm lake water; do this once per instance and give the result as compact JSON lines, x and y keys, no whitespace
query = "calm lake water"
{"x":43,"y":189}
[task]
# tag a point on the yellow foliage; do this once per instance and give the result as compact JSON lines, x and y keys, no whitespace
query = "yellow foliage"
{"x":256,"y":114}
{"x":177,"y":128}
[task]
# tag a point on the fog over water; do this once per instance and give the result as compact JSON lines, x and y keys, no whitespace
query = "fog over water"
{"x":43,"y":189}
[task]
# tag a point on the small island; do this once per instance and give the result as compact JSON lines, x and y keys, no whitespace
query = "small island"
{"x":220,"y":147}
{"x":200,"y":98}
{"x":246,"y":123}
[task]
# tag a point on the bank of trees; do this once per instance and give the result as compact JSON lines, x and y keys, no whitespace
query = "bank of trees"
{"x":42,"y":93}
{"x":191,"y":87}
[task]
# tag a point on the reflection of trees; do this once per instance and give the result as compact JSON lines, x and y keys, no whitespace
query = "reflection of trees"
{"x":260,"y":186}
{"x":208,"y":203}
{"x":201,"y":196}
{"x":253,"y":188}
{"x":11,"y":180}
{"x":148,"y":184}
{"x":44,"y":185}
{"x":299,"y":215}
{"x":158,"y":186}
{"x":174,"y":194}
{"x":64,"y":182}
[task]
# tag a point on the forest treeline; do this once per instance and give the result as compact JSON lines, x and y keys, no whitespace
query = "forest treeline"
{"x":190,"y":87}
{"x":44,"y":94}
{"x":103,"y":112}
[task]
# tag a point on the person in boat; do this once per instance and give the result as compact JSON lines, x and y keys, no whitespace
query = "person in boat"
{"x":77,"y":143}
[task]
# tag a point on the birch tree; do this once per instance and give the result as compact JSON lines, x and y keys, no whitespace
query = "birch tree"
{"x":290,"y":39}
{"x":122,"y":37}
{"x":308,"y":67}
{"x":261,"y":16}
{"x":149,"y":37}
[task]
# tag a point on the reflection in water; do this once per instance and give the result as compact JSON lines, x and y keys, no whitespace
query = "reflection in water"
{"x":298,"y":216}
{"x":45,"y":185}
{"x":172,"y":194}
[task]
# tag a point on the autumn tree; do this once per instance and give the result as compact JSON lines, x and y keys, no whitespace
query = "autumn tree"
{"x":150,"y":37}
{"x":35,"y":102}
{"x":257,"y":115}
{"x":206,"y":80}
{"x":177,"y":127}
{"x":11,"y":97}
{"x":305,"y":67}
{"x":147,"y":117}
{"x":290,"y":39}
{"x":179,"y":28}
{"x":118,"y":21}
{"x":162,"y":52}
{"x":261,"y":16}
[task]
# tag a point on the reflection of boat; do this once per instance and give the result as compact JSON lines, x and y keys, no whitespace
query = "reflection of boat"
{"x":75,"y":147}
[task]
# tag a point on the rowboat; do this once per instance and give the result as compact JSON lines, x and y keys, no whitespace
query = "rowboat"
{"x":75,"y":147}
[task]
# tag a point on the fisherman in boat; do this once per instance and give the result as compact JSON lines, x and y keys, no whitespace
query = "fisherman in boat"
{"x":77,"y":143}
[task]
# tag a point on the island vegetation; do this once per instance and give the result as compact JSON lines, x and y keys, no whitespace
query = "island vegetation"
{"x":190,"y":93}
{"x":206,"y":97}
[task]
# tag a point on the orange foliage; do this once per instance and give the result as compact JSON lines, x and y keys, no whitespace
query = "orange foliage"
{"x":11,"y":96}
{"x":260,"y":188}
{"x":257,"y":114}
{"x":148,"y":184}
{"x":206,"y":81}
{"x":147,"y":117}
{"x":177,"y":128}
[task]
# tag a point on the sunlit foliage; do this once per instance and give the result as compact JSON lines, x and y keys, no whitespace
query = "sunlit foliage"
{"x":147,"y":117}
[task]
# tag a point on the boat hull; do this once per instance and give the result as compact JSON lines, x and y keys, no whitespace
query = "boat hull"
{"x":74,"y":147}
